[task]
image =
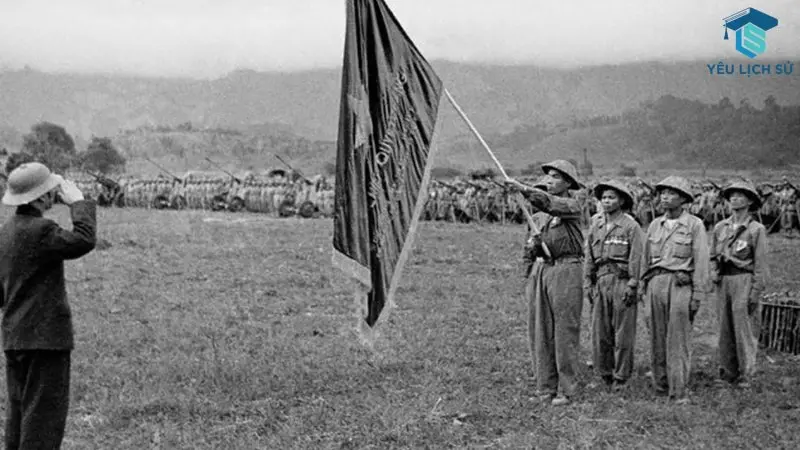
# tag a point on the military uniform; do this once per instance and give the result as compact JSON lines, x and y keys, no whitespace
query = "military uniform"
{"x":556,"y":289}
{"x":612,"y":258}
{"x":674,"y":281}
{"x":739,"y":270}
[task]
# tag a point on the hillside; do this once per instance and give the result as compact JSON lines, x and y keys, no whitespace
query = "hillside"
{"x":497,"y":98}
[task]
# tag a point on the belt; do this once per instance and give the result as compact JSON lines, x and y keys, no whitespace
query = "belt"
{"x":612,"y":268}
{"x":655,"y":271}
{"x":729,"y":269}
{"x":566,"y":259}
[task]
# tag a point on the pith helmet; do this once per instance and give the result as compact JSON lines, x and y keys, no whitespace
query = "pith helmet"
{"x":617,"y":186}
{"x":28,"y":182}
{"x":567,"y":169}
{"x":679,"y":184}
{"x":746,"y":188}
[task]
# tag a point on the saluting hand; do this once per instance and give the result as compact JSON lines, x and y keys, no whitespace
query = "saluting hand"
{"x":69,"y":192}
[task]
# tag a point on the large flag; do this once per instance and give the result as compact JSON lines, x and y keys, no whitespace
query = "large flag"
{"x":389,"y":104}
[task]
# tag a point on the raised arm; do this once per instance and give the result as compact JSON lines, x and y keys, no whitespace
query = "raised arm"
{"x":563,"y":207}
{"x":59,"y":243}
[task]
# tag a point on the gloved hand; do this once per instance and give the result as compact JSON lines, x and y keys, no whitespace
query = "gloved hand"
{"x":630,"y":296}
{"x":69,"y":192}
{"x":694,"y":306}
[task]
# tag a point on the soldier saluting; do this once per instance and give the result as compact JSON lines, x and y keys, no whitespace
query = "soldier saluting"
{"x":675,"y":263}
{"x":557,"y":287}
{"x":613,"y":250}
{"x":739,"y":271}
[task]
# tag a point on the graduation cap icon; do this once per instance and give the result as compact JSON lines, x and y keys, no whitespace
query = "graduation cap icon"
{"x":749,"y":16}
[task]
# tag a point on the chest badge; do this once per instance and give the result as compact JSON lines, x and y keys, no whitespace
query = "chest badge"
{"x":740,"y":245}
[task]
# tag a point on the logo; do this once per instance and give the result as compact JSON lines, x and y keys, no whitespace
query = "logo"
{"x":751,"y":26}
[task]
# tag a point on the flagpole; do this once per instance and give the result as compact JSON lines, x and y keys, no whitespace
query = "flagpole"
{"x":534,"y":228}
{"x":475,"y":132}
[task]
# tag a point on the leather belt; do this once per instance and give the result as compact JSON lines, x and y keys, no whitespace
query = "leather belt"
{"x":566,"y":259}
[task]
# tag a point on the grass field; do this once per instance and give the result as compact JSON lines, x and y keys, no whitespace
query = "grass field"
{"x":220,"y":331}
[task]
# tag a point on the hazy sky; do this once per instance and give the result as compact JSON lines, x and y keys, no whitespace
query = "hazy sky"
{"x":205,"y":38}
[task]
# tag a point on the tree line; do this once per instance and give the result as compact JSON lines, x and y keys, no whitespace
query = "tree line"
{"x":721,"y":135}
{"x":51,"y":145}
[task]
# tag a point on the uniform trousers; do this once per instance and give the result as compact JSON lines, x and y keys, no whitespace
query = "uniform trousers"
{"x":669,"y":333}
{"x":558,"y":302}
{"x":738,"y":330}
{"x":613,"y":329}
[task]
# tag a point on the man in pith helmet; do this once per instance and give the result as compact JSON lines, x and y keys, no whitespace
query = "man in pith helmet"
{"x":674,"y":282}
{"x":613,"y":251}
{"x":739,"y":271}
{"x":37,"y":321}
{"x":557,"y":287}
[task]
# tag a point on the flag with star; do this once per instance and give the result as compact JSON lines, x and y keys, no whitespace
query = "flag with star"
{"x":388,"y":112}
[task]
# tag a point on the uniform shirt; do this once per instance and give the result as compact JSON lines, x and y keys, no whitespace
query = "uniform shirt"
{"x":616,"y":241}
{"x":559,"y":219}
{"x":684,"y":247}
{"x":748,"y":252}
{"x":36,"y":315}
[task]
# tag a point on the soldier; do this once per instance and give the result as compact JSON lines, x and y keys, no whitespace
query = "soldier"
{"x":739,"y":271}
{"x":612,"y":258}
{"x":788,"y":198}
{"x":557,"y":288}
{"x":674,"y":282}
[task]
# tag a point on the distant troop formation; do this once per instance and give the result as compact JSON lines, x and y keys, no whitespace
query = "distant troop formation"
{"x":462,"y":200}
{"x":280,"y":195}
{"x":489,"y":201}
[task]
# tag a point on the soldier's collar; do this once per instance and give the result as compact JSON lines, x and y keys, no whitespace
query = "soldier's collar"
{"x":682,"y":219}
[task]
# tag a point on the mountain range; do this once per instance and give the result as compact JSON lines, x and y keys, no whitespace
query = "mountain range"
{"x":497,"y":99}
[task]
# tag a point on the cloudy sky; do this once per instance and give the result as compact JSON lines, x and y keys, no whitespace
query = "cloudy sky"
{"x":208,"y":38}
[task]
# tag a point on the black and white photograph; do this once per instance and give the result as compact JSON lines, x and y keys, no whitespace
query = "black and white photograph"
{"x":400,"y":224}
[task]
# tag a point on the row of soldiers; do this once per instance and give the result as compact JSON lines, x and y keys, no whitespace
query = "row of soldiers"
{"x":671,"y":269}
{"x":488,"y":201}
{"x":458,"y":201}
{"x":278,"y":195}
